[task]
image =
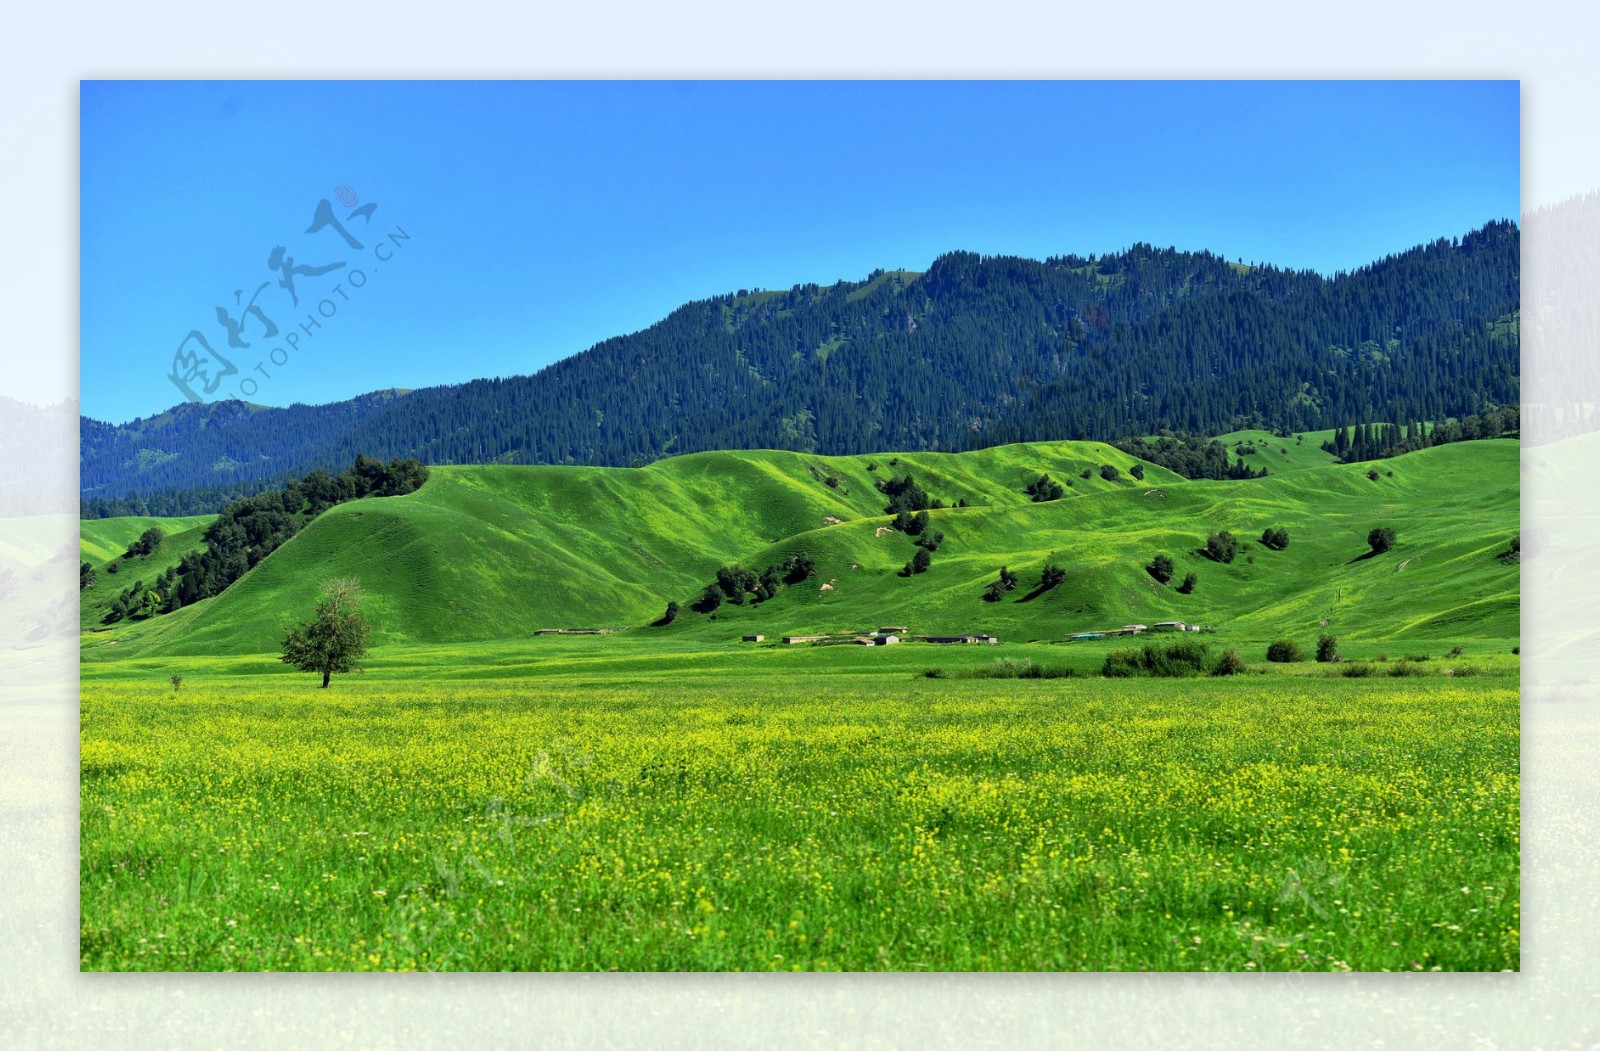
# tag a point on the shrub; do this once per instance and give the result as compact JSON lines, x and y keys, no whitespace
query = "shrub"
{"x":1285,"y":651}
{"x":1516,"y":649}
{"x":1372,"y":473}
{"x":1327,"y":649}
{"x":1014,"y":668}
{"x":1051,"y":576}
{"x":176,"y":681}
{"x":1221,"y":547}
{"x":1454,"y":652}
{"x":1417,"y":657}
{"x":1109,"y":472}
{"x":1187,"y":587}
{"x":1463,"y":670}
{"x":1137,"y":471}
{"x":1229,"y":664}
{"x":994,"y":593}
{"x":1407,"y":668}
{"x":112,"y":567}
{"x":1088,"y":473}
{"x":1275,"y":537}
{"x":1355,"y":670}
{"x":1160,"y":568}
{"x":1180,"y":659}
{"x":931,"y":540}
{"x":933,"y":673}
{"x":1380,"y":539}
{"x":670,"y":616}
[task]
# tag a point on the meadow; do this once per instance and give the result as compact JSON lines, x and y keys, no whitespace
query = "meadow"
{"x":668,"y":797}
{"x":783,"y":821}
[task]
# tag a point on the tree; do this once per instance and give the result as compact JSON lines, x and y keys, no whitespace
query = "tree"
{"x":1189,"y":581}
{"x":1137,"y":471}
{"x":1327,"y":649}
{"x":1221,"y":547}
{"x":994,"y":593}
{"x":1275,"y":537}
{"x":336,"y":636}
{"x":671,"y":615}
{"x":86,"y":576}
{"x":1161,"y":568}
{"x":918,"y":564}
{"x":709,"y":599}
{"x":1051,"y":576}
{"x":1109,"y":472}
{"x":1044,"y":488}
{"x":1380,"y":539}
{"x":931,"y":540}
{"x":1008,"y":580}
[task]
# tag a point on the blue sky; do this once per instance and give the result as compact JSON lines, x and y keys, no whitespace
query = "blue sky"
{"x":541,"y":217}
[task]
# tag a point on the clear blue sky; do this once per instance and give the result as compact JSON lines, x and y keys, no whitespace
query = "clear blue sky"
{"x":544,"y":217}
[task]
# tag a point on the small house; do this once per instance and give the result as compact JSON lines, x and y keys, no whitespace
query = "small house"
{"x":754,"y":639}
{"x":1171,"y":626}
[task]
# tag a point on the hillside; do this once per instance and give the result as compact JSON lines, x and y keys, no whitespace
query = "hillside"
{"x":976,"y":351}
{"x":102,"y":543}
{"x":486,"y":553}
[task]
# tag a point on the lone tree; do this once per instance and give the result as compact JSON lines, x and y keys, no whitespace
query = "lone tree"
{"x":1189,"y":581}
{"x":1380,"y":539}
{"x":1161,"y":568}
{"x":1275,"y":537}
{"x":1327,"y":648}
{"x":1051,"y":576}
{"x":336,"y":636}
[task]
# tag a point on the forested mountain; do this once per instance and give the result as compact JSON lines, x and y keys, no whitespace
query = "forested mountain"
{"x":975,"y":351}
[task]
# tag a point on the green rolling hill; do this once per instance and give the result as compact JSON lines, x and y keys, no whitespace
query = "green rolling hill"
{"x":484,"y":553}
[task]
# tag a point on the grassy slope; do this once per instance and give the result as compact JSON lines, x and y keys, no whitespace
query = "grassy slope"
{"x":101,"y":543}
{"x":1278,"y":455}
{"x":496,"y":553}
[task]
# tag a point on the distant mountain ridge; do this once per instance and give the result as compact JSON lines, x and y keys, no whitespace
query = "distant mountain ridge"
{"x":973,"y":352}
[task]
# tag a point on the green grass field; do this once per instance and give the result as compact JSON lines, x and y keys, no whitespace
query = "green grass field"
{"x":784,"y":821}
{"x":671,"y":798}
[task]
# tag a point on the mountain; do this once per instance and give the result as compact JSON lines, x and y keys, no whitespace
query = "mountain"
{"x":975,"y":351}
{"x":497,"y":553}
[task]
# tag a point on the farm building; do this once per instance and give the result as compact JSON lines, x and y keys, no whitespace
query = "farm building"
{"x":1170,"y":626}
{"x":803,"y":639}
{"x":754,"y":639}
{"x":897,"y":631}
{"x":1134,"y":630}
{"x":979,"y":638}
{"x":879,"y":640}
{"x":574,"y":631}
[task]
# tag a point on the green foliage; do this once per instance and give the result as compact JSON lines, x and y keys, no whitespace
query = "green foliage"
{"x":904,"y":495}
{"x":1275,"y":537}
{"x":147,"y":543}
{"x":1187,"y":658}
{"x":1221,"y":547}
{"x":176,"y":681}
{"x":932,"y":540}
{"x":1189,"y":456}
{"x":1355,"y":670}
{"x":1327,"y":648}
{"x":86,"y":576}
{"x":1137,"y":471}
{"x":1380,"y":539}
{"x":1190,"y":579}
{"x":1109,"y":472}
{"x":1161,"y":568}
{"x":1285,"y":651}
{"x":919,"y":563}
{"x":335,"y":638}
{"x":1229,"y":664}
{"x":1051,"y":576}
{"x":1044,"y":488}
{"x":671,"y":614}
